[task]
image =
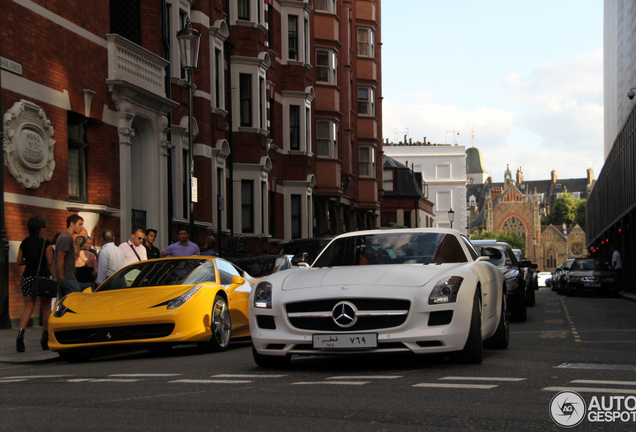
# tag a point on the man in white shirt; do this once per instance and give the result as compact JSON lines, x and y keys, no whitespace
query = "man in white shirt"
{"x":110,"y":258}
{"x":134,"y":249}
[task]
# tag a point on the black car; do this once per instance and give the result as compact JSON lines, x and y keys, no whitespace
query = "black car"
{"x":513,"y":275}
{"x":263,"y":265}
{"x":560,"y":280}
{"x":591,"y":275}
{"x":530,"y":275}
{"x":311,"y":246}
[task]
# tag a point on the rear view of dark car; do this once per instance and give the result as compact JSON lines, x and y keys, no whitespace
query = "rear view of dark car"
{"x":591,"y":275}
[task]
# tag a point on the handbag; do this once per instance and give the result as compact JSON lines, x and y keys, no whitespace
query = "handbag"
{"x":44,"y":286}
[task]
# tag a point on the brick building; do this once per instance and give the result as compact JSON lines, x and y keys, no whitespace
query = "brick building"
{"x":287,"y":119}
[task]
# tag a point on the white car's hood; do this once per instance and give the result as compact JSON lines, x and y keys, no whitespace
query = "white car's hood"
{"x":406,"y":275}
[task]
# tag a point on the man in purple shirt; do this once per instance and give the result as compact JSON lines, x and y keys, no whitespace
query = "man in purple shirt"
{"x":184,"y":247}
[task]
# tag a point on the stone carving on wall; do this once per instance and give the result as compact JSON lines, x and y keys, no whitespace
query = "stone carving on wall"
{"x":28,"y":144}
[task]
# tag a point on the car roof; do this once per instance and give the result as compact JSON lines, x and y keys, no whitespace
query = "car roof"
{"x":400,"y":230}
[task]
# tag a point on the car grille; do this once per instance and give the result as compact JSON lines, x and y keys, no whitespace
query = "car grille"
{"x":317,"y":315}
{"x":114,"y":334}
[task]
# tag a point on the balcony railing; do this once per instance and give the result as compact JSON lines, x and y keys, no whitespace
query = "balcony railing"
{"x":129,"y":62}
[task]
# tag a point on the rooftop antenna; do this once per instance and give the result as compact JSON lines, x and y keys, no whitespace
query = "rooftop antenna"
{"x":455,"y":133}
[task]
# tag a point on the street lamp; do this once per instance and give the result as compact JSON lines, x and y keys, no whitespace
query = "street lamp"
{"x":189,"y":39}
{"x":451,"y":216}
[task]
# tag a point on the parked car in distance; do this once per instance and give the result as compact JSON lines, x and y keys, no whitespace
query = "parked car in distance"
{"x":513,"y":275}
{"x":560,"y":281}
{"x":530,"y":275}
{"x":263,"y":265}
{"x":542,"y":278}
{"x":311,"y":246}
{"x":591,"y":275}
{"x":555,"y":277}
{"x":420,"y":290}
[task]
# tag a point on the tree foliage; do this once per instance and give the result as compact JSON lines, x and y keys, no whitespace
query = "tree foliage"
{"x":568,"y":210}
{"x":514,"y":240}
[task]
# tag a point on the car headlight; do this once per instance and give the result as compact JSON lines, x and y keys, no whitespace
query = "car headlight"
{"x":263,"y":295}
{"x":445,"y":291}
{"x":175,"y":303}
{"x":60,"y":309}
{"x":512,"y":284}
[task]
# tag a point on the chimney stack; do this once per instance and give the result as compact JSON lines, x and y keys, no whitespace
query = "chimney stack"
{"x":554,"y":176}
{"x":495,"y":192}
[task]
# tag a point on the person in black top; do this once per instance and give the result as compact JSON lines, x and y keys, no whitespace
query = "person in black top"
{"x":33,"y":249}
{"x":149,"y":243}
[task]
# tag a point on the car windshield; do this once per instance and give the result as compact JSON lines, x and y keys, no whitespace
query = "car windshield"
{"x":590,"y":264}
{"x":392,"y":248}
{"x":161,"y":273}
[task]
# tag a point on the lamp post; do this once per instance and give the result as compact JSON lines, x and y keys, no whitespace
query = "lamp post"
{"x":189,"y":39}
{"x":451,"y":216}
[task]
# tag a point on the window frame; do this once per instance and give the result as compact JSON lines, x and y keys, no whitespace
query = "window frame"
{"x":247,"y":209}
{"x":366,"y":44}
{"x":391,"y":181}
{"x":370,"y":162}
{"x":368,"y":101}
{"x":79,"y":145}
{"x":330,"y":68}
{"x":331,"y":139}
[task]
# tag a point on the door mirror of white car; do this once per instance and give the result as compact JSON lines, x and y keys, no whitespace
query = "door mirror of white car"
{"x":300,"y":258}
{"x":491,"y":252}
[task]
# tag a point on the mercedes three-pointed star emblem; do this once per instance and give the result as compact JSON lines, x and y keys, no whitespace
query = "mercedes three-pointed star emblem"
{"x":345,"y":314}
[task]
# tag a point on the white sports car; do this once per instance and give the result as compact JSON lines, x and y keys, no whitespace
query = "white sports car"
{"x":424,"y":290}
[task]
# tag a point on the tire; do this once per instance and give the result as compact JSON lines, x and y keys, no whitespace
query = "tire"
{"x":221,"y":326}
{"x":266,"y":361}
{"x":473,"y":352}
{"x":76,"y":356}
{"x":520,"y":313}
{"x":501,"y":338}
{"x":531,"y":298}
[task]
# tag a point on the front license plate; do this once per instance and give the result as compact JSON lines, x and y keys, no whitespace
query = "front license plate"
{"x":592,"y":285}
{"x":346,"y":341}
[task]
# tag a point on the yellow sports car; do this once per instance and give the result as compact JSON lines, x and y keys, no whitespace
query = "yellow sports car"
{"x":156,"y":303}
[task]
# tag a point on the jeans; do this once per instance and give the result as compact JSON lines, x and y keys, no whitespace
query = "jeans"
{"x":68,"y":286}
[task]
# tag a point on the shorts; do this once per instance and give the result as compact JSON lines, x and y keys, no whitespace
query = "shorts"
{"x":28,"y":286}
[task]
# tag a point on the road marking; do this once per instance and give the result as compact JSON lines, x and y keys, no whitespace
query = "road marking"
{"x":464,"y":386}
{"x":34,"y":376}
{"x":144,"y":375}
{"x":458,"y":378}
{"x":604,"y":382}
{"x":365,"y":377}
{"x":553,"y":334}
{"x":12,"y":381}
{"x":114,"y":380}
{"x":247,"y":376}
{"x":596,"y":366}
{"x":332,"y":383}
{"x":194,"y":381}
{"x":77,"y":380}
{"x":591,"y":390}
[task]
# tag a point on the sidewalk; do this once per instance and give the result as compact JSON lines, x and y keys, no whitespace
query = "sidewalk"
{"x":34,"y":353}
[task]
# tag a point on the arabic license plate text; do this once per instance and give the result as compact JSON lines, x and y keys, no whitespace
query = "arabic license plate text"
{"x":346,"y":341}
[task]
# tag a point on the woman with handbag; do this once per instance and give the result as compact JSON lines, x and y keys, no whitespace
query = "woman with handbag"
{"x":36,"y":254}
{"x":85,"y":264}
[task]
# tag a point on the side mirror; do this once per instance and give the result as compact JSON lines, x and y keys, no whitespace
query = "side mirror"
{"x":535,"y":266}
{"x":237,"y":281}
{"x":525,"y":264}
{"x":491,"y":253}
{"x":300,"y":258}
{"x":88,"y":290}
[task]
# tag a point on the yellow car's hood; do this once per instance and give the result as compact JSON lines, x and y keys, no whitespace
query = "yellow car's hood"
{"x":121,"y":300}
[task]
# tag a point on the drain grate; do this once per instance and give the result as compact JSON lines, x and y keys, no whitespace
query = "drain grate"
{"x":597,"y":366}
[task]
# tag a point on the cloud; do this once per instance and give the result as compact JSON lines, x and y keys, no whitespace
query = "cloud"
{"x":553,"y":119}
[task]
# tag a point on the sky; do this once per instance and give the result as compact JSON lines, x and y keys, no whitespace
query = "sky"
{"x":525,"y":75}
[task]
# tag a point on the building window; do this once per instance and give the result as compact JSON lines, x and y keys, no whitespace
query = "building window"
{"x":365,"y":42}
{"x":125,"y":19}
{"x":218,"y":78}
{"x":386,"y":218}
{"x":261,"y":102}
{"x":296,"y":216}
{"x":185,"y":166}
{"x":388,"y":180}
{"x":366,"y":161}
{"x":292,"y":37}
{"x":247,"y":206}
{"x":245,"y":90}
{"x":551,"y":259}
{"x":472,"y":201}
{"x":326,"y":67}
{"x":294,"y":127}
{"x":327,"y":136}
{"x":365,"y":101}
{"x":77,"y":161}
{"x":325,"y":6}
{"x":244,"y":10}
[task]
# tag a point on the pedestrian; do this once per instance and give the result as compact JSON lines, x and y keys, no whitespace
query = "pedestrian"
{"x":184,"y":247}
{"x":110,"y":258}
{"x":85,"y":264}
{"x":209,"y":247}
{"x":152,"y":251}
{"x":65,"y":247}
{"x":133,"y":249}
{"x":617,"y":266}
{"x":36,"y":254}
{"x":89,"y":246}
